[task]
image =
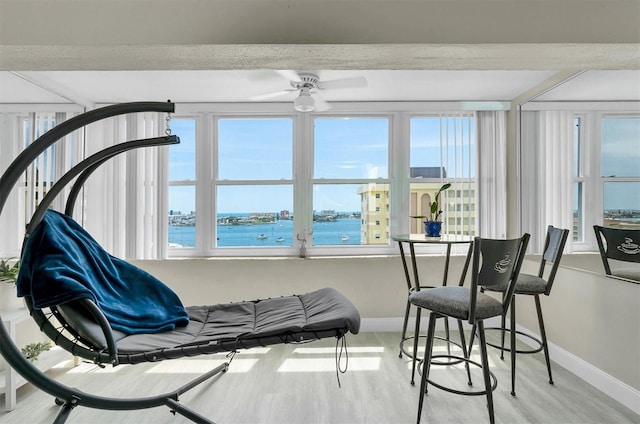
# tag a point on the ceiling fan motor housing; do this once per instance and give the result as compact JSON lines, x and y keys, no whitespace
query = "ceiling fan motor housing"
{"x":307,"y":80}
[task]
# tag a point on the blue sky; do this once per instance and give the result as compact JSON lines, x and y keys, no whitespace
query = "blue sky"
{"x":263,"y":149}
{"x":619,"y":154}
{"x":356,"y":148}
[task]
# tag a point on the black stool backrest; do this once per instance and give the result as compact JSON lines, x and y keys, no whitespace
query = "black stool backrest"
{"x":496,"y":263}
{"x":617,"y":244}
{"x":553,"y":248}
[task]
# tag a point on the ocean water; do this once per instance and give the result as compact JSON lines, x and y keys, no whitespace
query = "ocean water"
{"x":341,"y":232}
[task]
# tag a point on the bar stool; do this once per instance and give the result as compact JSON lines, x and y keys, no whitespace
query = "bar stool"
{"x":533,"y":285}
{"x":495,"y":262}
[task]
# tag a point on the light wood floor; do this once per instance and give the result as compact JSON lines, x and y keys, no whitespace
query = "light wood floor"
{"x":297,"y":384}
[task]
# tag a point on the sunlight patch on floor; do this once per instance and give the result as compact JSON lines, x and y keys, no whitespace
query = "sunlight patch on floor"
{"x":328,"y":364}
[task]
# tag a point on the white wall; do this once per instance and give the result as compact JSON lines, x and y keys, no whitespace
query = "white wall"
{"x":593,"y":317}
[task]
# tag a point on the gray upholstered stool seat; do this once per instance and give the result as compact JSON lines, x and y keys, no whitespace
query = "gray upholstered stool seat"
{"x":455,"y":302}
{"x":526,"y":284}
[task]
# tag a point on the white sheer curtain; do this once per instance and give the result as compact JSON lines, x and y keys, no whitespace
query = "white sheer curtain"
{"x":17,"y":131}
{"x":12,"y":218}
{"x":492,"y":183}
{"x":547,"y":174}
{"x":123,"y":197}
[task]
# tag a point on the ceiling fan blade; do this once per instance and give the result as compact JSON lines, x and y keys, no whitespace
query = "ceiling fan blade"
{"x":321,"y":104}
{"x":270,"y":95}
{"x":290,"y":75}
{"x":353,"y":82}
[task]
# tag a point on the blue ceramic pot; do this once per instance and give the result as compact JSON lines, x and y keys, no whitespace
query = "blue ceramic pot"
{"x":432,"y":228}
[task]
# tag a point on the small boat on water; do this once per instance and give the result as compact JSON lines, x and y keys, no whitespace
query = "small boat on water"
{"x":345,"y":238}
{"x":279,"y":240}
{"x":261,"y":237}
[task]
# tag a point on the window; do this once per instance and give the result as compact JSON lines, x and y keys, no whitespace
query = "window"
{"x":350,"y":184}
{"x":182,"y":186}
{"x":579,"y":169}
{"x":620,"y":171}
{"x":305,"y":184}
{"x":254,"y":187}
{"x":442,"y":149}
{"x":606,"y":174}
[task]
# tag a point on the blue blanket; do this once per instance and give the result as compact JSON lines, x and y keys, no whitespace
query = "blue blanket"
{"x":61,"y":262}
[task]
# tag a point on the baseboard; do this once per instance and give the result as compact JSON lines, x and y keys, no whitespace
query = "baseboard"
{"x":611,"y":386}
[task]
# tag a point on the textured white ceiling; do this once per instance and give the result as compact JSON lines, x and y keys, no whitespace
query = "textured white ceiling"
{"x":90,"y":87}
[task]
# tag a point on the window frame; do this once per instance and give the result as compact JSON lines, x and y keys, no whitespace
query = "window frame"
{"x":206,"y":116}
{"x":591,"y":178}
{"x":330,"y":250}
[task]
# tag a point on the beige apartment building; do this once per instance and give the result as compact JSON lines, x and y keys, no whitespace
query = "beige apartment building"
{"x":458,"y":202}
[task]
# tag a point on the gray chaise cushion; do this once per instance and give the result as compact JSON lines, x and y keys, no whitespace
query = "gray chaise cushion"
{"x":455,"y":302}
{"x":320,"y":310}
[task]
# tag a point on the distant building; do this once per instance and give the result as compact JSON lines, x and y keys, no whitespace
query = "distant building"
{"x":374,"y":208}
{"x":284,"y":214}
{"x":427,"y":172}
{"x":458,"y":206}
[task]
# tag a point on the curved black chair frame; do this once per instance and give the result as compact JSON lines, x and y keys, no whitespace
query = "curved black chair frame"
{"x":65,"y":335}
{"x":67,"y":396}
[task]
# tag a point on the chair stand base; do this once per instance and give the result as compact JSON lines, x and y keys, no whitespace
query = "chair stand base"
{"x":167,"y":399}
{"x":459,"y":359}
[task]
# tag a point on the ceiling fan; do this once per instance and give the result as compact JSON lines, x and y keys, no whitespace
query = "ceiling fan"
{"x":307,"y":84}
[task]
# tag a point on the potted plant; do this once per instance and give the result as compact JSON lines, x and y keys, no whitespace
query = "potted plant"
{"x":9,"y":269}
{"x":32,"y":351}
{"x":433,"y":225}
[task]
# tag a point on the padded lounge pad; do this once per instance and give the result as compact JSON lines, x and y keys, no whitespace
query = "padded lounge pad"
{"x":249,"y":324}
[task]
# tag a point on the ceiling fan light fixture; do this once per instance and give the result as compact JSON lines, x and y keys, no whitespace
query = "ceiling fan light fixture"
{"x":304,"y":103}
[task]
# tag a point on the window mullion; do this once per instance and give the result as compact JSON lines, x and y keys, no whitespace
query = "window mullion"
{"x":399,"y":173}
{"x":302,"y":177}
{"x":206,"y":155}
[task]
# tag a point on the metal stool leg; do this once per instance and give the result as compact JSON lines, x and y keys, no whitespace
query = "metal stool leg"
{"x":415,"y":347}
{"x":404,"y":326}
{"x":464,"y":351}
{"x":427,"y":362}
{"x":543,"y":336}
{"x":513,"y":345}
{"x":485,"y":371}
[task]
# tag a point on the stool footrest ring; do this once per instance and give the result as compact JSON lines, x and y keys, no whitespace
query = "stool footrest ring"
{"x":448,"y":341}
{"x":494,"y":380}
{"x":508,"y":349}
